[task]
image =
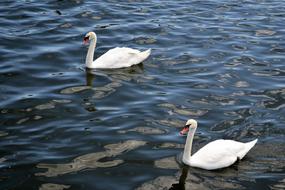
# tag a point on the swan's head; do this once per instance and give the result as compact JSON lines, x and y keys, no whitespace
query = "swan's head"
{"x":89,"y":36}
{"x":191,"y":124}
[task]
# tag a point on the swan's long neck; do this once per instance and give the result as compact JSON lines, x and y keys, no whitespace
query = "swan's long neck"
{"x":188,"y":145}
{"x":90,"y":53}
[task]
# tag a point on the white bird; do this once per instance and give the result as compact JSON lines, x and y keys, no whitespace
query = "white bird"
{"x":118,"y":57}
{"x":215,"y":155}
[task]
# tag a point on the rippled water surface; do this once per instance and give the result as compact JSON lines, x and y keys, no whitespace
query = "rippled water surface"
{"x":65,"y":127}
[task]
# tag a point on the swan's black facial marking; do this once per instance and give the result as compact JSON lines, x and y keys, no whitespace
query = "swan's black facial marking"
{"x":185,"y":130}
{"x":85,"y":39}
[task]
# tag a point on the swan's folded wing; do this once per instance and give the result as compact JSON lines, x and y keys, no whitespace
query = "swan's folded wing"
{"x":118,"y":58}
{"x":217,"y":154}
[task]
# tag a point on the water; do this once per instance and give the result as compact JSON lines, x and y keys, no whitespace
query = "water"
{"x":62,"y":127}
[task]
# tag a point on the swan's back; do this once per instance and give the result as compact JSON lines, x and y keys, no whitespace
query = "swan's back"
{"x":121,"y":57}
{"x":220,"y":153}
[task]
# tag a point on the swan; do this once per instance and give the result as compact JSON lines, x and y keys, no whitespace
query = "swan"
{"x":118,"y":57}
{"x":215,"y":155}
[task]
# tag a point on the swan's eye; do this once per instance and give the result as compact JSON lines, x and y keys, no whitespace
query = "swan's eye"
{"x":185,"y":130}
{"x":85,"y":39}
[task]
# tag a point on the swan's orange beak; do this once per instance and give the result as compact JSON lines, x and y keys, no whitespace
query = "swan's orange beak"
{"x":185,"y":130}
{"x":85,"y":40}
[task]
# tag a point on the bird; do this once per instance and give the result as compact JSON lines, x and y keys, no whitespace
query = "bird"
{"x":115,"y":58}
{"x":214,"y":155}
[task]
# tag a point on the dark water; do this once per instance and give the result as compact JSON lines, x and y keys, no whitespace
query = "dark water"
{"x":220,"y":62}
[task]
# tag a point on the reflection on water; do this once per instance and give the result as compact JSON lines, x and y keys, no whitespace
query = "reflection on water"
{"x":280,"y":185}
{"x":183,"y":177}
{"x":183,"y":111}
{"x":167,"y":163}
{"x":74,"y":89}
{"x":52,"y":186}
{"x":186,"y":179}
{"x":144,"y":130}
{"x":91,"y":160}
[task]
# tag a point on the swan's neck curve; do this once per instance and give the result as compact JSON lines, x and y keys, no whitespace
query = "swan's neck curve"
{"x":90,"y":53}
{"x":188,"y":146}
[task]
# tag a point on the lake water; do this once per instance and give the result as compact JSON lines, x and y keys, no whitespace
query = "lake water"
{"x":65,"y":127}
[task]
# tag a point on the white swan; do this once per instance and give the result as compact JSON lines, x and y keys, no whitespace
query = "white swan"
{"x":217,"y":154}
{"x":118,"y":57}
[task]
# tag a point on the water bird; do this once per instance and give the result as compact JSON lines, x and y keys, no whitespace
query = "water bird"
{"x":216,"y":154}
{"x":118,"y":57}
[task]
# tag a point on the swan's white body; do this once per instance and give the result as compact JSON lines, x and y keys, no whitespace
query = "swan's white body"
{"x":215,"y":155}
{"x":118,"y":57}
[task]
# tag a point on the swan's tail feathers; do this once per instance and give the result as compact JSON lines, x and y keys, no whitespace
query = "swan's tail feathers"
{"x":145,"y":54}
{"x":249,"y":146}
